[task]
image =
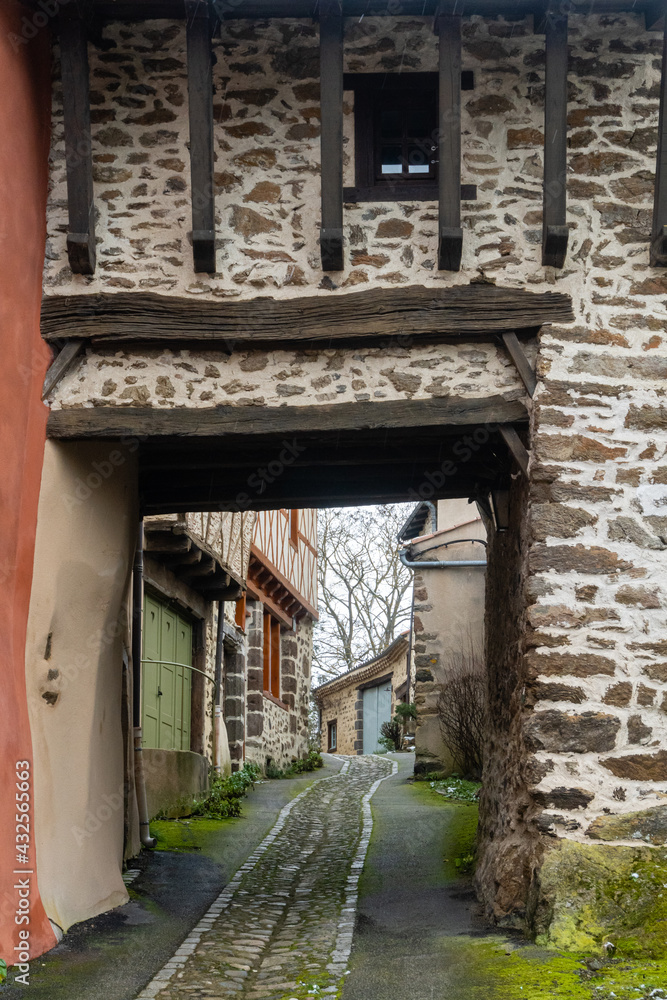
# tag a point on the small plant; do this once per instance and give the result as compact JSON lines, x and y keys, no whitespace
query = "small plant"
{"x":457,"y":789}
{"x":405,"y":712}
{"x":224,"y":798}
{"x":391,"y":735}
{"x":310,"y":762}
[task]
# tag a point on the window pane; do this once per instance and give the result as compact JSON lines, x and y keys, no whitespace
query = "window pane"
{"x":420,"y":123}
{"x":419,"y":157}
{"x":392,"y":160}
{"x":391,"y":124}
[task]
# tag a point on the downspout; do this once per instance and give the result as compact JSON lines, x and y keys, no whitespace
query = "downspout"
{"x":217,"y":722}
{"x":137,"y":616}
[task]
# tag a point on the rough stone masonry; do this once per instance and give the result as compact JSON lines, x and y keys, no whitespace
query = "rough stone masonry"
{"x":577,"y":648}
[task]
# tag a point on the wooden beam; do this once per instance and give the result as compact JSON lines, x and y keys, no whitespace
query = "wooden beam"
{"x":450,"y":233}
{"x":331,"y":142}
{"x":200,"y":97}
{"x":516,"y":447}
{"x":521,"y":362}
{"x":81,"y":249}
{"x":554,"y":202}
{"x":658,"y":255}
{"x":654,"y":15}
{"x":61,"y":365}
{"x":374,"y":314}
{"x":239,"y":422}
{"x":142,"y":10}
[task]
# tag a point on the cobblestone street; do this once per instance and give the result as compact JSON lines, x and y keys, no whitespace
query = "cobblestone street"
{"x":283,"y":925}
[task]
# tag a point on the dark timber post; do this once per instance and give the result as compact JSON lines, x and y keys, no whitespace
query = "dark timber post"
{"x":331,"y":145}
{"x":81,"y":249}
{"x":554,"y":229}
{"x":659,"y":231}
{"x":200,"y":95}
{"x":450,"y":233}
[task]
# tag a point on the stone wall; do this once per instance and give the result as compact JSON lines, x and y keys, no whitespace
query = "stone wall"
{"x":577,"y":749}
{"x":345,"y":708}
{"x":277,"y":731}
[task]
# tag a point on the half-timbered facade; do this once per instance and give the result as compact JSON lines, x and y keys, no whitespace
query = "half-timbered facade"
{"x":255,"y":306}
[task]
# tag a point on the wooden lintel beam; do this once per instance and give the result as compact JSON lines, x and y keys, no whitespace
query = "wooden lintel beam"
{"x":516,"y":447}
{"x":450,"y":233}
{"x":200,"y":97}
{"x":480,"y":310}
{"x":521,"y":362}
{"x":61,"y":365}
{"x":658,"y":253}
{"x":331,"y":142}
{"x":237,"y":422}
{"x":81,"y":248}
{"x":554,"y":201}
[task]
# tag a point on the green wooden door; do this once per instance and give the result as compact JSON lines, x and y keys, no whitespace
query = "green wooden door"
{"x":167,"y":682}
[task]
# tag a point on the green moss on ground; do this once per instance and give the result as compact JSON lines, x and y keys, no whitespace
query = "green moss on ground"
{"x":186,"y":834}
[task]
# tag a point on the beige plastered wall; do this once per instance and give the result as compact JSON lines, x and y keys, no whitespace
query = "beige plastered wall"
{"x":448,"y":621}
{"x":77,"y":634}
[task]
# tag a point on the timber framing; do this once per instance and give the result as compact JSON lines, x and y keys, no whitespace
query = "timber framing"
{"x":474,"y":311}
{"x":554,"y":200}
{"x":200,"y":104}
{"x":81,"y":249}
{"x":659,"y":228}
{"x":450,"y":233}
{"x":331,"y":142}
{"x":139,"y":10}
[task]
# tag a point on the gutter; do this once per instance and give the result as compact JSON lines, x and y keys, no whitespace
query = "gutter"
{"x":443,"y":563}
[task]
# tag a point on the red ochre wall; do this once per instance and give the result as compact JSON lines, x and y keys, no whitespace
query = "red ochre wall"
{"x":25,"y":104}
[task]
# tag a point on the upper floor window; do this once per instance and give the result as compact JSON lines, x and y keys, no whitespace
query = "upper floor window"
{"x":396,"y":135}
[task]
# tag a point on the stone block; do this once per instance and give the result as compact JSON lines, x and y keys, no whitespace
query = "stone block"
{"x":572,"y":664}
{"x":559,"y":732}
{"x":639,"y":766}
{"x":255,"y":724}
{"x":618,"y":694}
{"x":563,"y":798}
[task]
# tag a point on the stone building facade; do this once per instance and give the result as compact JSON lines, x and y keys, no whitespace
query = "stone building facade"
{"x":340,"y":701}
{"x":448,"y":614}
{"x":576,"y":641}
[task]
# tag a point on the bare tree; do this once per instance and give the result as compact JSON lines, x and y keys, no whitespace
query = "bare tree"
{"x":364,"y":590}
{"x":461,"y":709}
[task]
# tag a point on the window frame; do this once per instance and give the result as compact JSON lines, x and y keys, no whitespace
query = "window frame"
{"x":271,"y":656}
{"x":332,"y":725}
{"x":367,"y":107}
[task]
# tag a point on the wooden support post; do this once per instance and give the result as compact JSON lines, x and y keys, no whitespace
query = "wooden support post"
{"x":658,"y":256}
{"x":331,"y":143}
{"x":200,"y":95}
{"x":450,"y":233}
{"x":61,"y":365}
{"x":81,"y":249}
{"x":516,"y":447}
{"x":554,"y":229}
{"x":521,"y":362}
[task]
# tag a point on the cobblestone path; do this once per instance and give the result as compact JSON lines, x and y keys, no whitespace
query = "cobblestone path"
{"x":282,"y":927}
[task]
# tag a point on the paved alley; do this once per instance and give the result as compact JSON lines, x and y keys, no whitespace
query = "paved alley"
{"x":283,"y":925}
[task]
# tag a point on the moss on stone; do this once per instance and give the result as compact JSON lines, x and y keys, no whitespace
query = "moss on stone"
{"x":597,"y":893}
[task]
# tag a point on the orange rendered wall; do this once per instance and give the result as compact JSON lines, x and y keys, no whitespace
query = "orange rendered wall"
{"x":25,"y":104}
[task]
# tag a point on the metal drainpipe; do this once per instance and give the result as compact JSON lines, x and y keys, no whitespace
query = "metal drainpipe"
{"x":443,"y":563}
{"x":219,"y":653}
{"x":137,"y":616}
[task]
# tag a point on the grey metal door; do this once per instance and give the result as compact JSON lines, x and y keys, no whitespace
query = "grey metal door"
{"x":377,"y":709}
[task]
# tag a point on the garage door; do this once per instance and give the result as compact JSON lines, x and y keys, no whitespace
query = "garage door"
{"x":377,"y":709}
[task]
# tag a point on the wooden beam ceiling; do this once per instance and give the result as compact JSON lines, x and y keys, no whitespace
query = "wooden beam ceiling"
{"x":373,"y":315}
